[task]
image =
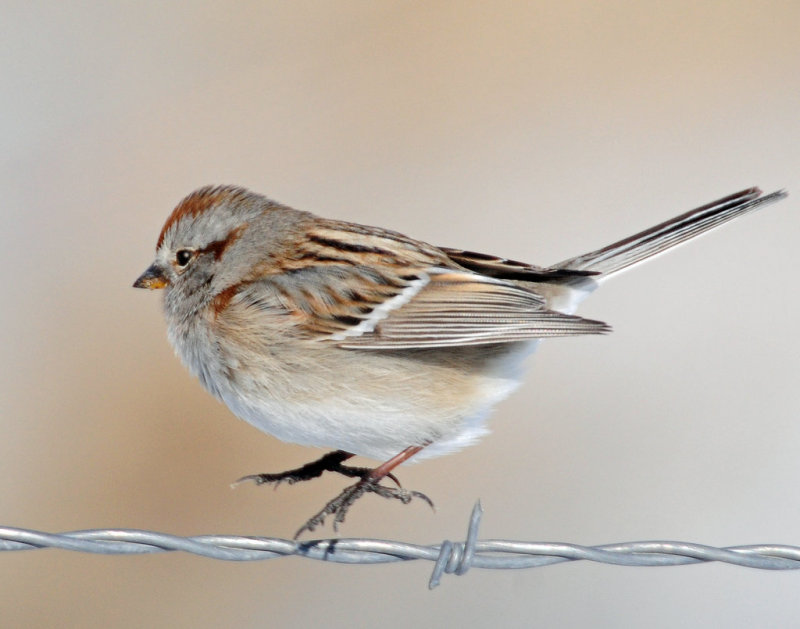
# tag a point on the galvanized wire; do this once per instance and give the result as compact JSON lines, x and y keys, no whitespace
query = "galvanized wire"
{"x":448,"y":557}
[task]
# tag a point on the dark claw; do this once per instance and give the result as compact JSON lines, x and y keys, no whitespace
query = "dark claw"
{"x":394,"y":478}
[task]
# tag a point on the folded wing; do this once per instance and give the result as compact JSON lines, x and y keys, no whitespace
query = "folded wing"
{"x":451,"y":308}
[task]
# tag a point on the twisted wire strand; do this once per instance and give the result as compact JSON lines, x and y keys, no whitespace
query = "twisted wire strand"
{"x":448,"y":557}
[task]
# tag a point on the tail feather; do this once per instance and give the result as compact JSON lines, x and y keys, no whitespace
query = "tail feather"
{"x":654,"y":241}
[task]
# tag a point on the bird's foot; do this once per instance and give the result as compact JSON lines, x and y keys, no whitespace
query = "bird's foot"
{"x":339,"y":506}
{"x":331,"y":462}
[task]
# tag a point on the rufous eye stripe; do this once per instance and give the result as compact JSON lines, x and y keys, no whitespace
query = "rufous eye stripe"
{"x":218,"y":247}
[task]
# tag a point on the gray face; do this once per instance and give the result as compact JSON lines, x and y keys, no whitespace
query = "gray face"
{"x":212,"y":241}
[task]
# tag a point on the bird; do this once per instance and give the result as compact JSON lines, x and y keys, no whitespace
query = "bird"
{"x":365,"y":341}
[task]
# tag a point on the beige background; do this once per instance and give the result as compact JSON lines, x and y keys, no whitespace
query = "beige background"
{"x":534,"y":130}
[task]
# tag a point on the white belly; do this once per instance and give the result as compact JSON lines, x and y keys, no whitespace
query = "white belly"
{"x":381,"y":406}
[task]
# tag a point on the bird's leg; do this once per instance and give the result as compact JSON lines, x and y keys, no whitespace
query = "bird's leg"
{"x":331,"y":462}
{"x":369,"y":483}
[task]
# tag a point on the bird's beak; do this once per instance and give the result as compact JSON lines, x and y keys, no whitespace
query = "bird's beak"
{"x":153,"y":278}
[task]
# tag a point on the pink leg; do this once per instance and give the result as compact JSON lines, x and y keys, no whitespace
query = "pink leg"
{"x":384,"y":469}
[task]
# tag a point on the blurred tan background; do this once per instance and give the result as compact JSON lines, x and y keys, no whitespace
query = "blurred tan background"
{"x":532,"y":130}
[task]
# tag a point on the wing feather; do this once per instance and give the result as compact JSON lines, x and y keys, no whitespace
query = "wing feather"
{"x":463,"y":308}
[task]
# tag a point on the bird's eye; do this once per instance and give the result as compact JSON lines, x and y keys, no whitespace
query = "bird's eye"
{"x":183,"y":256}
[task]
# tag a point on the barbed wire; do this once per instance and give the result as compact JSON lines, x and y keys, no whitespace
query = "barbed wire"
{"x":448,"y":557}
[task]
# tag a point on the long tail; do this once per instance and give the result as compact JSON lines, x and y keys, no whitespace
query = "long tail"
{"x":651,"y":242}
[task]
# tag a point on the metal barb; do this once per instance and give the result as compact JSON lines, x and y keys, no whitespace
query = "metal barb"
{"x":457,"y":558}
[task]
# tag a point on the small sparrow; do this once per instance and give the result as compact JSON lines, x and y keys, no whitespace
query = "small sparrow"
{"x":333,"y":334}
